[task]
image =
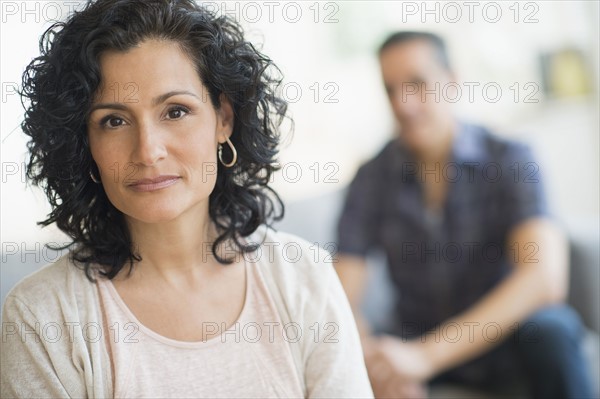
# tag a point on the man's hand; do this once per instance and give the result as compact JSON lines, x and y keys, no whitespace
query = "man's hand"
{"x":397,"y":369}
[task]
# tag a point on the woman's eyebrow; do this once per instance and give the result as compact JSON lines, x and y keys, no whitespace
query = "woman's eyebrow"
{"x":118,"y":106}
{"x":163,"y":97}
{"x":156,"y":101}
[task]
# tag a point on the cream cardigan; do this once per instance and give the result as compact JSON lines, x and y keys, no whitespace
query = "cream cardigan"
{"x":53,"y":345}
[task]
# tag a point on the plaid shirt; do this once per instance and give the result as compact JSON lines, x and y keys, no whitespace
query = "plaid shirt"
{"x":441,"y":264}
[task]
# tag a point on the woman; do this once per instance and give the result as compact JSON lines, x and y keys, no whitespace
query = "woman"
{"x":153,"y":130}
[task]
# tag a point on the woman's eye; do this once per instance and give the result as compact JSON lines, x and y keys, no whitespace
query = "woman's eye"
{"x":112,"y":122}
{"x":177,"y":112}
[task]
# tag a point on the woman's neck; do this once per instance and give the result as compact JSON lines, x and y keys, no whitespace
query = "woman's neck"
{"x":175,"y":250}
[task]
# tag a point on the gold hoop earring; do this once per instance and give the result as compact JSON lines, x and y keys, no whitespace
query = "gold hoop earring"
{"x":233,"y":151}
{"x":93,"y":178}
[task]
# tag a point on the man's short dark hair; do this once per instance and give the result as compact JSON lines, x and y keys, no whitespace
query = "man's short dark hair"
{"x":405,"y":36}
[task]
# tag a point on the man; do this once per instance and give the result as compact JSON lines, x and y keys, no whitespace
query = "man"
{"x":480,"y":267}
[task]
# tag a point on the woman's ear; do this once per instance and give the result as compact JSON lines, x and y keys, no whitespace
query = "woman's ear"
{"x":225,"y":119}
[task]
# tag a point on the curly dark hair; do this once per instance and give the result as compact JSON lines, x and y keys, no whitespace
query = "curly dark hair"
{"x":61,"y":83}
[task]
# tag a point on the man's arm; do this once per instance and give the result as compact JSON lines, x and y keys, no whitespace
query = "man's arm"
{"x":539,"y":252}
{"x":357,"y":232}
{"x":352,"y":271}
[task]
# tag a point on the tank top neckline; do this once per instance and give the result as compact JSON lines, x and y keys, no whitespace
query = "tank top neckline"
{"x":177,"y":343}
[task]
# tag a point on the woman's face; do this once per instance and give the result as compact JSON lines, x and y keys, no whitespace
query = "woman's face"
{"x":153,"y":133}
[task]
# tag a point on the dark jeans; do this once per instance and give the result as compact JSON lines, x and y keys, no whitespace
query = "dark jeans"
{"x":543,"y":354}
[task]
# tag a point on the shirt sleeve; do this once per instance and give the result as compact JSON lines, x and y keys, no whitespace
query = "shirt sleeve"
{"x":523,"y":188}
{"x":27,"y":370}
{"x":335,"y":367}
{"x":357,"y":225}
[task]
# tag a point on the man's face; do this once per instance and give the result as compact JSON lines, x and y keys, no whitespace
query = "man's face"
{"x":414,"y":79}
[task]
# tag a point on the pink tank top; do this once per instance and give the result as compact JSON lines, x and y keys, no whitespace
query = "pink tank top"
{"x":251,"y":359}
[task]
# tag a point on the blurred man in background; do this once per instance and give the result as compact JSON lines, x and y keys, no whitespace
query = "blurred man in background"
{"x":480,"y":267}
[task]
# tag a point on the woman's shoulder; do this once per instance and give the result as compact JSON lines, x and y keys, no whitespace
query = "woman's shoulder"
{"x":290,"y":254}
{"x":52,"y":286}
{"x":299,"y":272}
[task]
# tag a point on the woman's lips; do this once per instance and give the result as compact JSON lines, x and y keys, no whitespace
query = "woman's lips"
{"x":157,"y":183}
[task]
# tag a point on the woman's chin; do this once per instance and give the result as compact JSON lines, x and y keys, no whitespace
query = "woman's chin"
{"x":155,"y":214}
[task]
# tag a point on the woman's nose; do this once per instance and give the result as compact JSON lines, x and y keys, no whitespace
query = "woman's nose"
{"x":150,"y":146}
